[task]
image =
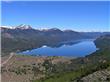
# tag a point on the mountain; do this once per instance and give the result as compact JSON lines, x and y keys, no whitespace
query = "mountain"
{"x":93,"y":34}
{"x":103,"y":41}
{"x":24,"y":37}
{"x":23,"y":27}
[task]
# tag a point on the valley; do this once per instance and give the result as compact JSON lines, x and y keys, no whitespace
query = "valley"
{"x":27,"y":68}
{"x":29,"y":38}
{"x":55,"y":41}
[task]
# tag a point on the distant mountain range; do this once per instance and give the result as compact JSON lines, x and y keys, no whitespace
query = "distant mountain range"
{"x":24,"y":37}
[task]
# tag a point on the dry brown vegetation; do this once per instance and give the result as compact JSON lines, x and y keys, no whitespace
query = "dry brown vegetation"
{"x":21,"y":68}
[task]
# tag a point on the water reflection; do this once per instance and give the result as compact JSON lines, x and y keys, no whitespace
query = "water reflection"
{"x":72,"y":48}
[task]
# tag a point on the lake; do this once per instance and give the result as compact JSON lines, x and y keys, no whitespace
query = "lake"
{"x":70,"y":49}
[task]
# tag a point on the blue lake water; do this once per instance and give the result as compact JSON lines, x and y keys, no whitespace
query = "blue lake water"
{"x":78,"y":49}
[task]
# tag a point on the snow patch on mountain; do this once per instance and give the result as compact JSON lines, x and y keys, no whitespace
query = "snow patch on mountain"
{"x":8,"y":27}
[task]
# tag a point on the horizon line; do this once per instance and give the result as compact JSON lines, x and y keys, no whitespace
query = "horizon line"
{"x":62,"y":29}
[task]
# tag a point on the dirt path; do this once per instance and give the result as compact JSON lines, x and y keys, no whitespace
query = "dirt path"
{"x":11,"y":55}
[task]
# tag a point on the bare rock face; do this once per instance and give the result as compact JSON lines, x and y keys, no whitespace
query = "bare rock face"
{"x":98,"y":76}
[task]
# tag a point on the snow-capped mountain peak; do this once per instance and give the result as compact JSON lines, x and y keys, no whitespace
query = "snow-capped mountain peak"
{"x":23,"y":27}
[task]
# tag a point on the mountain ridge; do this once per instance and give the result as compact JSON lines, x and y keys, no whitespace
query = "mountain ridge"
{"x":29,"y":38}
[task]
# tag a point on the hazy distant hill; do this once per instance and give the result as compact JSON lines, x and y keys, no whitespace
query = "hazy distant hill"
{"x":93,"y":34}
{"x":103,"y":41}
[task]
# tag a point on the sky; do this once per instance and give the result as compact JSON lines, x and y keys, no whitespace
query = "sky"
{"x":75,"y":15}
